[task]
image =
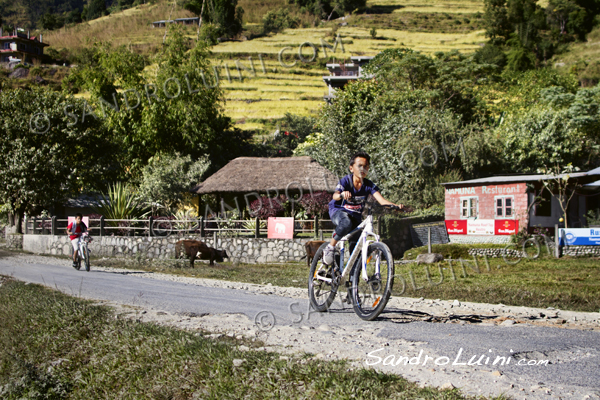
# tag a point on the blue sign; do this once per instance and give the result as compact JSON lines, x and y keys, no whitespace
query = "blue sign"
{"x":580,"y":237}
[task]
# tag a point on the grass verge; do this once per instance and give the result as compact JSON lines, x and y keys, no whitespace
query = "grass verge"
{"x":60,"y":347}
{"x":567,"y":283}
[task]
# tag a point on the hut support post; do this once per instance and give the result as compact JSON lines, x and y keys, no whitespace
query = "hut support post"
{"x":256,"y":228}
{"x":53,"y":226}
{"x":316,"y":226}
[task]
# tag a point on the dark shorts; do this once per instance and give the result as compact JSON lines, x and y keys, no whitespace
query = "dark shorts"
{"x":344,"y":223}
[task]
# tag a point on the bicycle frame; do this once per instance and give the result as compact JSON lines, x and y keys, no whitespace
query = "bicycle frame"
{"x":361,"y":246}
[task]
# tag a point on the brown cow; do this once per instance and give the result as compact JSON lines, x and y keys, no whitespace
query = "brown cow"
{"x":195,"y":248}
{"x":311,"y":249}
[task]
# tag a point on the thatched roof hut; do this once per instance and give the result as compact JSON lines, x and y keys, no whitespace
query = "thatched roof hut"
{"x":268,"y":175}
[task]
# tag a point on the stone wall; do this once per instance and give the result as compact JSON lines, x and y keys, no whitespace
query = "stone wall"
{"x":14,"y":241}
{"x":581,"y":251}
{"x":245,"y":250}
{"x":473,"y":239}
{"x":495,"y":253}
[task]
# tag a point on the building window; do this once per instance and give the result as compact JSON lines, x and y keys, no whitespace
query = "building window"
{"x":505,"y":207}
{"x":6,"y":45}
{"x":543,"y":206}
{"x":468,"y":207}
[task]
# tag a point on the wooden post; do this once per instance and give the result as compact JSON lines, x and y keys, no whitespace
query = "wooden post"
{"x":25,"y":222}
{"x":429,"y":239}
{"x":151,"y":222}
{"x":53,"y":226}
{"x":556,"y":242}
{"x":101,"y":225}
{"x":316,"y":226}
{"x":202,"y":232}
{"x":34,"y":224}
{"x":257,"y":228}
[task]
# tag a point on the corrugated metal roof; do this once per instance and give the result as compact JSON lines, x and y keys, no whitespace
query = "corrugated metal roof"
{"x":523,"y":178}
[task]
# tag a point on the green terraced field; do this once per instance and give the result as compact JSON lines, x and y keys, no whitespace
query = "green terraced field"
{"x":424,"y":25}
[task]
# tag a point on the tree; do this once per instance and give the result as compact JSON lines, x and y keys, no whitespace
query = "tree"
{"x":561,"y":186}
{"x":166,"y":178}
{"x":445,"y":81}
{"x":497,"y":26}
{"x":95,"y":9}
{"x":45,"y":156}
{"x":178,"y":110}
{"x":225,"y":14}
{"x":413,"y":146}
{"x":542,"y":136}
{"x":278,"y":20}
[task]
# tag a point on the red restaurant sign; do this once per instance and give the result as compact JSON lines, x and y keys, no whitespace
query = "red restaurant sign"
{"x":506,"y":226}
{"x":500,"y":226}
{"x":456,"y":227}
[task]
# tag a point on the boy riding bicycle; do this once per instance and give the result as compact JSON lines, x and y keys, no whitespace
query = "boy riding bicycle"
{"x":75,"y":230}
{"x":347,"y":205}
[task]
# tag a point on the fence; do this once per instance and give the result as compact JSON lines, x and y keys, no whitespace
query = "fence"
{"x":163,"y":226}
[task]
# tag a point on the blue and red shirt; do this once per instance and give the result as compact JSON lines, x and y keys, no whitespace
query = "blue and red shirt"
{"x":356,"y":204}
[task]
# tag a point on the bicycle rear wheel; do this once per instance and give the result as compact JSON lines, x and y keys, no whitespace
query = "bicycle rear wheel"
{"x":86,"y":254}
{"x":369,"y":297}
{"x":321,"y":293}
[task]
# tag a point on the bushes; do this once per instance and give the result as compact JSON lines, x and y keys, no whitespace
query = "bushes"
{"x":278,"y":20}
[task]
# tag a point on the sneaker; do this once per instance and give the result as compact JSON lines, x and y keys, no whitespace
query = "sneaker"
{"x":328,"y":254}
{"x":74,"y":264}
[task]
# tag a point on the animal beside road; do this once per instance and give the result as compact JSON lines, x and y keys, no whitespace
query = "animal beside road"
{"x":311,"y":249}
{"x":196,"y":249}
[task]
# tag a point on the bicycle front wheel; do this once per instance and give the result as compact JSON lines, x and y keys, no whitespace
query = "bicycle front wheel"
{"x":321,"y":292}
{"x":86,"y":254}
{"x":370,"y":296}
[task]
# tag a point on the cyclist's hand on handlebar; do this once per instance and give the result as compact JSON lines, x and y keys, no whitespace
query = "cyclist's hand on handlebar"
{"x":346,"y":195}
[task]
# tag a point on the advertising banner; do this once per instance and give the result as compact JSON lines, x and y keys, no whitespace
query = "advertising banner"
{"x":579,"y":237}
{"x":280,"y":228}
{"x":480,"y":227}
{"x":456,"y":226}
{"x":506,"y":227}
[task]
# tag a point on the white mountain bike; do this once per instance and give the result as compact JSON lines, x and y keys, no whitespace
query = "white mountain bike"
{"x":83,"y":252}
{"x":370,"y":269}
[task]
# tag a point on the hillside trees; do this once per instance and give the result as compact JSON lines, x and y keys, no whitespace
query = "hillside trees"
{"x":531,"y":34}
{"x":226,"y":15}
{"x":413,"y":146}
{"x":175,"y":110}
{"x":46,"y":157}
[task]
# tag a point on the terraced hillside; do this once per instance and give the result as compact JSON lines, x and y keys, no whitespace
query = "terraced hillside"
{"x":259,"y":99}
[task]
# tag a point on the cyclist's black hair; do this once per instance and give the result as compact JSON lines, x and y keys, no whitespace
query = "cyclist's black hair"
{"x":360,"y":154}
{"x":78,"y":215}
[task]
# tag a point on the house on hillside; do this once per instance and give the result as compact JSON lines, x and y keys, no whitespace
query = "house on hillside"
{"x":341,"y":74}
{"x":181,"y":21}
{"x":17,"y":46}
{"x":243,"y":179}
{"x":489,"y":209}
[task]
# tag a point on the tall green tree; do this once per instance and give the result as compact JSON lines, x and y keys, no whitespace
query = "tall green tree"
{"x":177,"y":109}
{"x":46,"y":156}
{"x":497,"y":25}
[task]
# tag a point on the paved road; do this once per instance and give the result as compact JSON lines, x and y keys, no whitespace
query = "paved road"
{"x":574,"y":354}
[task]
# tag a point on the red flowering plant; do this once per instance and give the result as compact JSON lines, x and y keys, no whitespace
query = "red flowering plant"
{"x":266,"y":207}
{"x":316,"y":203}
